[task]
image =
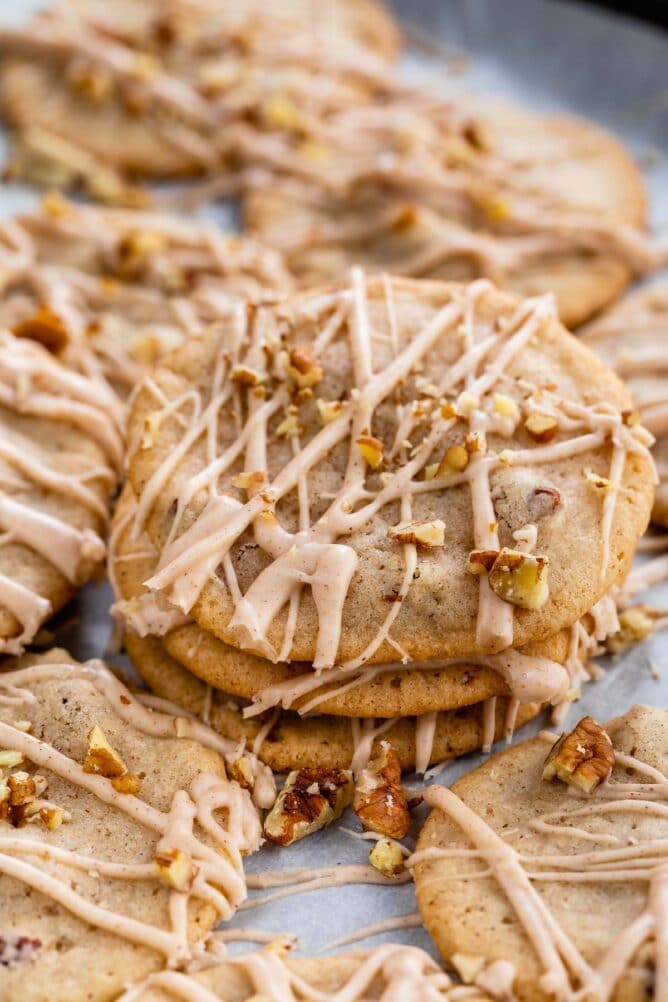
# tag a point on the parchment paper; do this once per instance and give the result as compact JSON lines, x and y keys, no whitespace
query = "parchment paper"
{"x":548,"y":55}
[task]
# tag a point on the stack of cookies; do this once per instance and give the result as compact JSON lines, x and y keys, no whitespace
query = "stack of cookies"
{"x":389,"y":508}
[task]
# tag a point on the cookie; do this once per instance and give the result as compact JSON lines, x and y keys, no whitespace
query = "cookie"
{"x":356,"y":976}
{"x":543,"y":671}
{"x":177,"y":84}
{"x":60,"y":453}
{"x":539,"y":203}
{"x":564,"y":886}
{"x":630,"y":338}
{"x":286,"y":741}
{"x":107,"y":816}
{"x":109,"y":291}
{"x":458,"y":450}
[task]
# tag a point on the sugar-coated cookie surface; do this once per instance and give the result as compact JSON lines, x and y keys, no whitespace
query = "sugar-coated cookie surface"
{"x":631,"y":338}
{"x":565,"y":887}
{"x":411,"y":469}
{"x":121,"y":838}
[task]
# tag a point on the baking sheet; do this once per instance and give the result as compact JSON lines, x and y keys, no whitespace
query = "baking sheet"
{"x":548,"y":55}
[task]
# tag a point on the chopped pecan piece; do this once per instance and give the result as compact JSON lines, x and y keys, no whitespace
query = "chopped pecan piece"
{"x":245,"y":376}
{"x":371,"y":449}
{"x":419,"y":533}
{"x":541,"y":427}
{"x":584,"y":758}
{"x":328,"y":410}
{"x":635,"y":623}
{"x":380,"y":801}
{"x":101,"y":758}
{"x":387,"y":857}
{"x":175,"y":868}
{"x":310,"y":800}
{"x":520,"y":578}
{"x":303,"y":368}
{"x":455,"y":460}
{"x":45,"y":327}
{"x":241,"y":770}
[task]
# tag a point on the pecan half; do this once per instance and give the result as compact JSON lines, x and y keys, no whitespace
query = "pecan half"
{"x":584,"y":758}
{"x":310,"y":800}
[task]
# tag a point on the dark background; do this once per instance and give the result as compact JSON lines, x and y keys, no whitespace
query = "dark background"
{"x":656,"y":12}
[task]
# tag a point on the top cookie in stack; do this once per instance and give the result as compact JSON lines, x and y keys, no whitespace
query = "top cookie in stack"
{"x":390,"y":473}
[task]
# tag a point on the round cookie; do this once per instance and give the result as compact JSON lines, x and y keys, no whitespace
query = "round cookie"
{"x":60,"y":453}
{"x":357,"y":976}
{"x":173,"y":84}
{"x":295,"y":742}
{"x":376,"y":593}
{"x":506,"y":808}
{"x":405,"y":691}
{"x":84,"y":906}
{"x":631,"y":338}
{"x":522,"y":198}
{"x":110,"y":291}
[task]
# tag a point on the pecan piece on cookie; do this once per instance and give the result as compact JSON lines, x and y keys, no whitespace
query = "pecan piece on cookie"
{"x":45,"y":327}
{"x":520,"y":578}
{"x":380,"y":800}
{"x":584,"y":758}
{"x":310,"y":800}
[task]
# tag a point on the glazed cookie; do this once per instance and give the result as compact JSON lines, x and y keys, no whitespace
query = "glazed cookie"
{"x":60,"y":454}
{"x":567,"y":890}
{"x":177,"y":82}
{"x":541,"y":672}
{"x":121,"y":838}
{"x":412,"y":469}
{"x":631,"y":338}
{"x":388,"y":971}
{"x":108,"y":291}
{"x":538,"y":203}
{"x":285,"y":741}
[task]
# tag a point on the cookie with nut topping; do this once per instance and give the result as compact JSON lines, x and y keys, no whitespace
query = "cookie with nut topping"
{"x":188,"y":88}
{"x":630,"y":337}
{"x":61,"y":450}
{"x":551,"y":858}
{"x":302,"y":565}
{"x":459,"y":189}
{"x":121,"y":836}
{"x":108,"y":292}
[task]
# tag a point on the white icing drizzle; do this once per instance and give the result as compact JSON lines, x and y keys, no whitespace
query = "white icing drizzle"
{"x":218,"y":873}
{"x":566,"y":974}
{"x":34,"y":385}
{"x":317,"y":556}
